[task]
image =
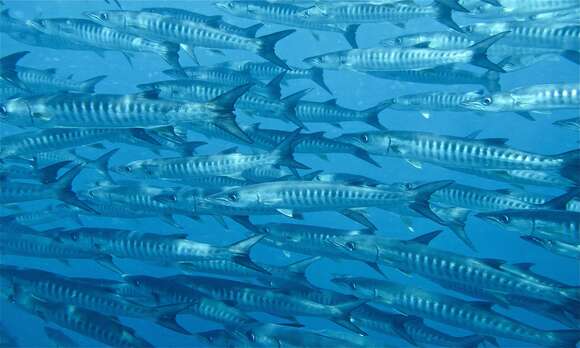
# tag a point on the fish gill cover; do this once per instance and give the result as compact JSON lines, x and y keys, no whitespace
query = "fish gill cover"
{"x":290,"y":173}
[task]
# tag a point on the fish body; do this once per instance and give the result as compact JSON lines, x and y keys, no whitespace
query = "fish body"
{"x":453,"y":311}
{"x":433,"y":101}
{"x":45,"y":82}
{"x":59,"y":338}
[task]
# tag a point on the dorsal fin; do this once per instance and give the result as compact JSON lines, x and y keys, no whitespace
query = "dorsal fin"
{"x":482,"y":304}
{"x":229,"y":151}
{"x":473,"y":135}
{"x":362,"y":231}
{"x":494,"y":141}
{"x":330,"y":102}
{"x":504,"y":191}
{"x":495,"y":263}
{"x":523,"y":266}
{"x":302,"y":265}
{"x":560,"y":202}
{"x":149,"y":94}
{"x":426,"y":238}
{"x":50,"y":71}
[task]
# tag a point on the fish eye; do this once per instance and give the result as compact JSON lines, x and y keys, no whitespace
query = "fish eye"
{"x":364,"y":138}
{"x":350,"y":246}
{"x":234,"y":196}
{"x":75,"y":236}
{"x":92,"y":194}
{"x":469,"y":29}
{"x":487,"y":101}
{"x":104,"y":16}
{"x":398,"y":41}
{"x":3,"y":109}
{"x":408,"y":186}
{"x":504,"y":219}
{"x":128,"y":169}
{"x":353,"y":285}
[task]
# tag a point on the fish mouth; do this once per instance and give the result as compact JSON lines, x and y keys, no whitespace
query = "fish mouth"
{"x":221,"y":5}
{"x":35,"y":24}
{"x":487,"y":217}
{"x":92,"y":16}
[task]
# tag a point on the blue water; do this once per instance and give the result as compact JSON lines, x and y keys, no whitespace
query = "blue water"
{"x":352,"y":90}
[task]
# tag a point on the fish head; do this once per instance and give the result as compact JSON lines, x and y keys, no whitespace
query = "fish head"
{"x":53,"y":26}
{"x":491,"y":103}
{"x":111,"y":19}
{"x":349,"y":282}
{"x":19,"y":112}
{"x":316,"y":11}
{"x":331,"y":60}
{"x":137,"y":169}
{"x":142,"y":286}
{"x":235,"y":7}
{"x":405,"y":40}
{"x":509,"y":220}
{"x":367,"y":140}
{"x":237,"y":198}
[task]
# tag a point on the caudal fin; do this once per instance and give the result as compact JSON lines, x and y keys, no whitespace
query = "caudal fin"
{"x":570,"y":167}
{"x":422,"y":196}
{"x":290,"y":106}
{"x":252,"y":30}
{"x":273,"y":88}
{"x":101,"y":164}
{"x":189,"y":147}
{"x":166,"y":317}
{"x":240,"y":253}
{"x":572,"y":56}
{"x":344,"y":319}
{"x":170,"y":54}
{"x":224,"y":105}
{"x":48,"y":174}
{"x":479,"y":50}
{"x":267,"y":45}
{"x":373,"y":114}
{"x":444,"y":10}
{"x":8,"y":69}
{"x":285,"y":153}
{"x":63,"y":189}
{"x":455,"y":219}
{"x":317,"y":76}
{"x":88,"y":86}
{"x":350,"y":34}
{"x":364,"y":155}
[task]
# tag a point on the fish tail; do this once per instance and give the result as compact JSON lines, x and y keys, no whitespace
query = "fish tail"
{"x":8,"y":69}
{"x":479,"y":50}
{"x":225,"y":105}
{"x":252,"y":30}
{"x":565,"y":338}
{"x":273,"y":87}
{"x":101,"y":164}
{"x":444,"y":10}
{"x":373,"y":114}
{"x":570,"y":167}
{"x":48,"y":174}
{"x":422,"y":196}
{"x":350,"y":34}
{"x":64,"y":192}
{"x":285,"y":151}
{"x":290,"y":106}
{"x":166,"y":317}
{"x":344,"y":318}
{"x":170,"y":54}
{"x":88,"y":86}
{"x":457,"y":225}
{"x":571,"y":55}
{"x":241,"y":253}
{"x":267,"y":45}
{"x":317,"y":76}
{"x":364,"y":155}
{"x":189,"y":147}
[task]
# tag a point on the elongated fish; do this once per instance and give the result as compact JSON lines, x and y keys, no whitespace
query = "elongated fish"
{"x":120,"y":111}
{"x":396,"y":59}
{"x":474,"y":316}
{"x":189,"y":33}
{"x":285,"y":14}
{"x":463,"y":153}
{"x":45,"y":81}
{"x":426,"y":103}
{"x":88,"y":33}
{"x":59,"y":338}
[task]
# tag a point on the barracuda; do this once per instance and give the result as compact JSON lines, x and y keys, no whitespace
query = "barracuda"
{"x":293,"y":275}
{"x":569,"y":123}
{"x":312,"y":143}
{"x":188,"y":33}
{"x":45,"y":175}
{"x":412,"y":256}
{"x":8,"y":71}
{"x":443,"y":75}
{"x":474,"y":316}
{"x":558,"y":248}
{"x":48,"y":215}
{"x":533,"y":34}
{"x":395,"y":12}
{"x":250,"y":103}
{"x":45,"y":81}
{"x":527,"y":100}
{"x":61,"y":189}
{"x":255,"y":298}
{"x":218,"y":76}
{"x":290,"y":197}
{"x":9,"y":91}
{"x":396,"y":59}
{"x":231,"y":164}
{"x":426,"y":103}
{"x":164,"y":291}
{"x":285,"y":15}
{"x":102,"y":328}
{"x":330,"y":112}
{"x":462,"y":152}
{"x":519,"y":177}
{"x":213,"y":21}
{"x":60,"y":289}
{"x":557,"y":225}
{"x":515,"y":8}
{"x":59,"y":338}
{"x":457,"y":195}
{"x":88,"y":33}
{"x":156,"y":247}
{"x":268,"y":71}
{"x":120,"y":111}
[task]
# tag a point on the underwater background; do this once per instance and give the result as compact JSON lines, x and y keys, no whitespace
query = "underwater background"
{"x":352,"y":90}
